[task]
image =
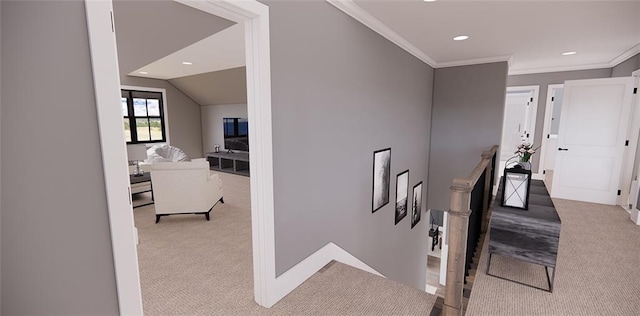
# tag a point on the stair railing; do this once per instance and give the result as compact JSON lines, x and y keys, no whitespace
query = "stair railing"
{"x":461,"y":191}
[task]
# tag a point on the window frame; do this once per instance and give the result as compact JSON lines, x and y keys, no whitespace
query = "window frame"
{"x":131,"y":117}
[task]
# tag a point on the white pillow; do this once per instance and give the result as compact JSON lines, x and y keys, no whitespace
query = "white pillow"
{"x":166,"y":153}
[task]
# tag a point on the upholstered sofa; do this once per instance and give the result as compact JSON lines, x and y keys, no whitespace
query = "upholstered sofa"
{"x":186,"y":187}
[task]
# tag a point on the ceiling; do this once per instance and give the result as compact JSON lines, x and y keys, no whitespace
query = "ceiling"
{"x":220,"y":51}
{"x":530,"y":35}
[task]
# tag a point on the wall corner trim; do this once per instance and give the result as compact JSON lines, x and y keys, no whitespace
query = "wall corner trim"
{"x":469,"y":62}
{"x":293,"y":277}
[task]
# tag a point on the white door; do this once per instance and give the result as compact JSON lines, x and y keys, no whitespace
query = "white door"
{"x":591,"y":139}
{"x":519,"y":119}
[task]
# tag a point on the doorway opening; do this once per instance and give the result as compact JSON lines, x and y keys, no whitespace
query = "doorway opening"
{"x":520,"y":109}
{"x":436,"y":253}
{"x":176,"y":252}
{"x":254,"y":16}
{"x":550,"y":130}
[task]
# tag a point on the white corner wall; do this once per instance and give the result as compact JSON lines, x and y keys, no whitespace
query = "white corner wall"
{"x":212,"y":116}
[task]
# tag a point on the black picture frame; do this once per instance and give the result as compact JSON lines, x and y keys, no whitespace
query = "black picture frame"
{"x":416,"y":204}
{"x":402,"y":195}
{"x":381,"y":179}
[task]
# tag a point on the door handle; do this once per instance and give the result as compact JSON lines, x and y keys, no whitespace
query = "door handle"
{"x":563,"y":149}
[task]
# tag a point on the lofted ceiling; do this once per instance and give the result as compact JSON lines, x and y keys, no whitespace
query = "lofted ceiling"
{"x":220,"y":51}
{"x":530,"y":35}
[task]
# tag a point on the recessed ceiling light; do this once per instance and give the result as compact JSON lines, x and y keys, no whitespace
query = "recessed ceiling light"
{"x":429,"y":0}
{"x":187,"y":63}
{"x":143,"y":73}
{"x":568,"y":53}
{"x":460,"y":38}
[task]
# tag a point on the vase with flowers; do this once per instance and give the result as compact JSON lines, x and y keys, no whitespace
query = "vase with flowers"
{"x":524,"y":152}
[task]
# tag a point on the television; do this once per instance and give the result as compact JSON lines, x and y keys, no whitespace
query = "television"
{"x":236,"y":134}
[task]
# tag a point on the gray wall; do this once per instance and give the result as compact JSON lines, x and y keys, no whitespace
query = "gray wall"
{"x":185,"y":129}
{"x":56,"y":246}
{"x":468,"y":106}
{"x":625,"y":68}
{"x":212,"y":115}
{"x":227,"y":86}
{"x":341,"y":92}
{"x":544,"y":80}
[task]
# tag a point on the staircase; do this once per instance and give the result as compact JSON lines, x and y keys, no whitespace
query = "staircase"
{"x":471,"y":275}
{"x":469,"y":279}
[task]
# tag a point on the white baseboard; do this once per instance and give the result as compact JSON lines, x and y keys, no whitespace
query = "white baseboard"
{"x":430,"y":289}
{"x":635,"y":216}
{"x":537,"y":176}
{"x":293,"y":277}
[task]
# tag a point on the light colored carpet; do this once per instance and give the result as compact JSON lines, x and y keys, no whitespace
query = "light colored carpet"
{"x":189,"y":266}
{"x":598,"y":269}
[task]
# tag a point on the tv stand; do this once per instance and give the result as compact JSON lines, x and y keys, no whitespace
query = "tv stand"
{"x":231,"y":162}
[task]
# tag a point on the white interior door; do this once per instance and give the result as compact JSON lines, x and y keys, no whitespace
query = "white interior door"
{"x":591,"y":139}
{"x":519,"y":119}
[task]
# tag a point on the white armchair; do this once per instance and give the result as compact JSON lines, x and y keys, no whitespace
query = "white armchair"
{"x":185,"y":188}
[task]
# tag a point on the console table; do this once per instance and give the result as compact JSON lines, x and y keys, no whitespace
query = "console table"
{"x":528,"y":235}
{"x":237,"y":163}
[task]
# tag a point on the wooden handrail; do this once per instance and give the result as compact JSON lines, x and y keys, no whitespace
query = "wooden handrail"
{"x":458,"y":229}
{"x":478,"y":170}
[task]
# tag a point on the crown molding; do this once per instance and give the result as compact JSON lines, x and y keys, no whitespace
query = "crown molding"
{"x":508,"y":59}
{"x":558,"y":69}
{"x":624,"y":56}
{"x":356,"y":12}
{"x":353,"y":10}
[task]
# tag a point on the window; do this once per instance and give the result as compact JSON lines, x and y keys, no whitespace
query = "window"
{"x":143,"y":116}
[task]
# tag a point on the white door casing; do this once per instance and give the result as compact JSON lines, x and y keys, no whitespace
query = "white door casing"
{"x":548,"y":146}
{"x":591,"y":140}
{"x":106,"y":82}
{"x":629,"y":165}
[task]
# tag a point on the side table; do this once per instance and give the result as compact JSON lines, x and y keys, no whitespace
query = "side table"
{"x":145,"y":177}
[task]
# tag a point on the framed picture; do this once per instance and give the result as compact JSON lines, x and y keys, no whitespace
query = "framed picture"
{"x":381,"y":178}
{"x":402,"y":195}
{"x":416,"y":205}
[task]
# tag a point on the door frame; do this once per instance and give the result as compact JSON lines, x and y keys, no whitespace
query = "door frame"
{"x":630,"y":151}
{"x":106,"y":78}
{"x":546,"y":128}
